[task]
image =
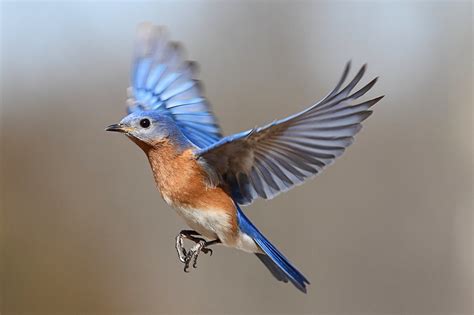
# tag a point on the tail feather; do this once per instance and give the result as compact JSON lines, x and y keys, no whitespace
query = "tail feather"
{"x":278,"y":265}
{"x":274,"y":269}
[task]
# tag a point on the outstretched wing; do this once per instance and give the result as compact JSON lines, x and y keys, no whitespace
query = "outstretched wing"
{"x":161,"y":80}
{"x":266,"y":161}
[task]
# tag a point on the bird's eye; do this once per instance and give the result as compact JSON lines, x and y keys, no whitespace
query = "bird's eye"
{"x":145,"y":123}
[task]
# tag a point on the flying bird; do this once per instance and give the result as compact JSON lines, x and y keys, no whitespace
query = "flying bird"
{"x":205,"y":176}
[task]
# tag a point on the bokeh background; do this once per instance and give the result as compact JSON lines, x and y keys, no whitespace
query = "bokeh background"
{"x":388,"y":229}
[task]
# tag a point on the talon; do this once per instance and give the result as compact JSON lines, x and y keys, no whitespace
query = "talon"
{"x":193,"y":253}
{"x":187,"y":260}
{"x":195,"y":261}
{"x":197,"y":250}
{"x":206,"y":251}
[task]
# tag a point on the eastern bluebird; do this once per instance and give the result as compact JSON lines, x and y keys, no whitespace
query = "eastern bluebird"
{"x":207,"y":177}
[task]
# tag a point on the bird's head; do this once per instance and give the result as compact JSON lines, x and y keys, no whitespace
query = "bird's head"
{"x":150,"y":129}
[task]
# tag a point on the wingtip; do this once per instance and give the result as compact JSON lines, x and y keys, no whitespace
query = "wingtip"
{"x":347,"y":68}
{"x":150,"y":26}
{"x":193,"y":66}
{"x":379,"y":98}
{"x":147,"y":35}
{"x":374,"y":80}
{"x":144,"y":25}
{"x":374,"y":101}
{"x":177,"y":47}
{"x":199,"y":85}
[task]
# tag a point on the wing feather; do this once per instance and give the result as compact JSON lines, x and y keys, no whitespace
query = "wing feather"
{"x":163,"y":81}
{"x":266,"y":161}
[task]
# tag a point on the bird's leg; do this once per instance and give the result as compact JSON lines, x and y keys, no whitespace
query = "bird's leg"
{"x":204,"y":249}
{"x":200,"y":246}
{"x":193,"y":252}
{"x":180,"y":248}
{"x":180,"y":244}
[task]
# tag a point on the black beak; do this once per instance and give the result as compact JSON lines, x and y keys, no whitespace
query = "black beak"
{"x":117,"y":128}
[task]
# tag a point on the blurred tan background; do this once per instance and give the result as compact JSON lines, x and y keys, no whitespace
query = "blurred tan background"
{"x":388,"y":229}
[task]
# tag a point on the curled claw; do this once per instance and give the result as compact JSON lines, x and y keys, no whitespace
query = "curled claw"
{"x":207,"y":251}
{"x":195,"y":261}
{"x":188,"y":258}
{"x":192,"y":255}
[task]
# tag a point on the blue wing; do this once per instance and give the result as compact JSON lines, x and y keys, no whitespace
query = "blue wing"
{"x":162,"y":81}
{"x":264,"y":162}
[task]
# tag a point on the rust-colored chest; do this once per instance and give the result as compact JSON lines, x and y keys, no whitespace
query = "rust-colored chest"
{"x":182,"y":182}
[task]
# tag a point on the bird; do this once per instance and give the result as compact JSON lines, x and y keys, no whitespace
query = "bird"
{"x":208,"y":177}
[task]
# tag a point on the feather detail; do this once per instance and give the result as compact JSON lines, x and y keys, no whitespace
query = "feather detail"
{"x":266,"y":161}
{"x":162,"y":80}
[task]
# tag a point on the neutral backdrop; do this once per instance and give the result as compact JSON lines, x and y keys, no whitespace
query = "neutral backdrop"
{"x":388,"y":229}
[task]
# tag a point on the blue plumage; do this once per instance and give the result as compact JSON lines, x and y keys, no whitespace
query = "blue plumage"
{"x":162,"y":81}
{"x":166,"y":107}
{"x":278,"y":265}
{"x":266,"y":161}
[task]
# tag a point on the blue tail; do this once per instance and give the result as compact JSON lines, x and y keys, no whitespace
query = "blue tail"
{"x":278,"y":265}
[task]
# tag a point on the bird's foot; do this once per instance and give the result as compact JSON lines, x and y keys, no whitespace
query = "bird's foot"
{"x":179,"y":245}
{"x":193,"y":254}
{"x":187,"y":257}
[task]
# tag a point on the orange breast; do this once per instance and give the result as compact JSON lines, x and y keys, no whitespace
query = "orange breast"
{"x":182,"y":182}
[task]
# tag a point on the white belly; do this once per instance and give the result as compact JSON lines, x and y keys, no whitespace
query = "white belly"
{"x":216,"y":224}
{"x":209,"y":223}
